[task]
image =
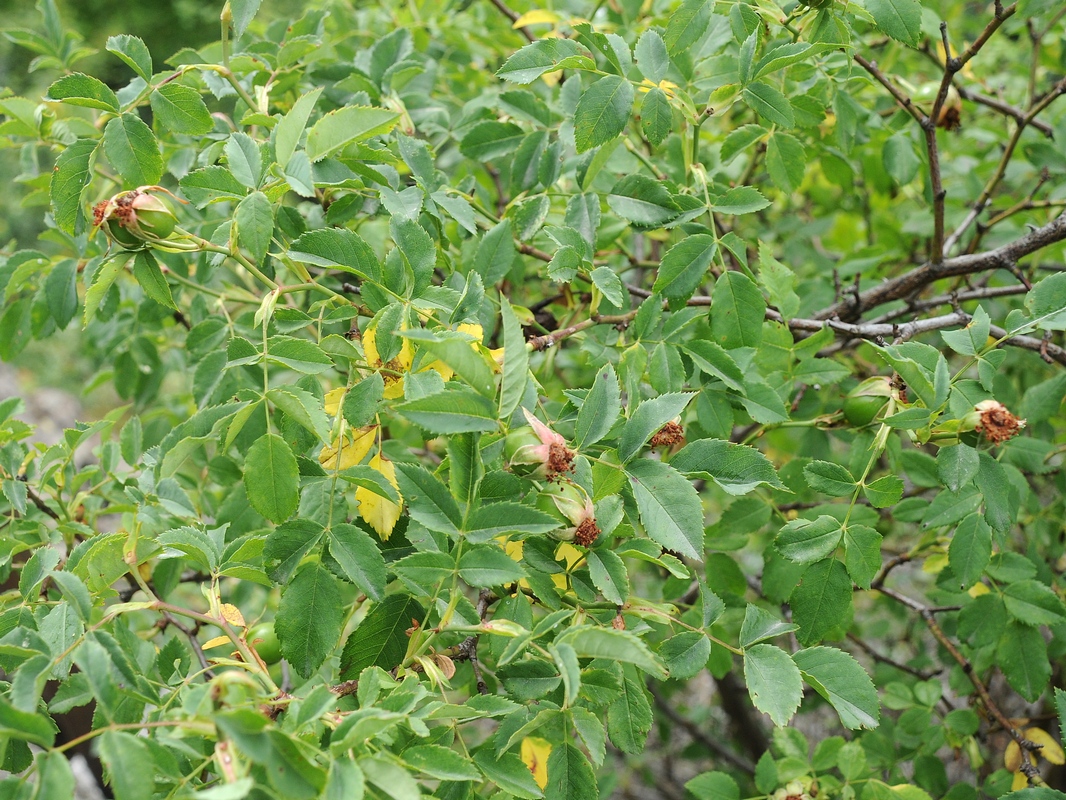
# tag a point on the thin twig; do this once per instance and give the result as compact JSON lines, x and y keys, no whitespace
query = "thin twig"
{"x":512,"y":15}
{"x":694,"y":730}
{"x":921,"y":674}
{"x":929,"y":618}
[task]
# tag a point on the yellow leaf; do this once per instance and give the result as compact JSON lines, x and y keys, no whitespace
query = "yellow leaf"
{"x":935,"y":564}
{"x":1051,"y":751}
{"x":334,"y":398}
{"x":232,"y":614}
{"x":535,"y":752}
{"x":978,"y":589}
{"x":538,"y":16}
{"x":402,"y":363}
{"x":1012,"y":758}
{"x":379,"y":513}
{"x":354,"y":449}
{"x":218,"y":641}
{"x":1020,"y":782}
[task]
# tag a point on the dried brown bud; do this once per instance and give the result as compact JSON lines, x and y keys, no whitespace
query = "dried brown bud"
{"x":995,"y":421}
{"x":668,"y":435}
{"x":587,"y":532}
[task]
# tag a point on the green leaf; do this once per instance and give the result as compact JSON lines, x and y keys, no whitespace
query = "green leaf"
{"x":652,"y":57}
{"x":272,"y":478}
{"x":884,"y":492}
{"x":72,"y":173}
{"x":685,"y":266}
{"x":362,"y":401}
{"x":359,"y":557}
{"x":132,"y":149}
{"x":304,"y":408}
{"x":381,"y":638}
{"x":614,"y":645}
{"x":546,"y":55}
{"x":602,"y":112}
{"x":428,"y":500}
{"x":134,"y":52}
{"x":642,"y":201}
{"x":290,"y":129}
{"x":786,"y":161}
{"x":309,"y":619}
{"x":609,"y":574}
{"x":713,"y":786}
{"x":780,"y":57}
{"x":440,"y":762}
{"x":299,"y":355}
{"x":148,"y":274}
{"x":649,"y":417}
{"x":716,"y":362}
{"x":211,"y":185}
{"x":828,"y":478}
{"x":685,"y":654}
{"x":737,"y":468}
{"x":337,"y":248}
{"x":760,"y":625}
{"x":687,"y":25}
{"x":244,"y":159}
{"x":1031,"y":602}
{"x":629,"y":716}
{"x":804,"y":541}
{"x":769,"y":103}
{"x":570,"y":774}
{"x":821,"y":601}
{"x":957,"y":465}
{"x":467,"y":363}
{"x":740,"y":200}
{"x":490,"y":520}
{"x":900,"y":19}
{"x":669,"y":507}
{"x":491,"y":139}
{"x":1046,"y":303}
{"x":55,"y":778}
{"x":738,"y":311}
{"x":515,"y":361}
{"x":255,"y":224}
{"x":656,"y":116}
{"x":346,"y":126}
{"x":496,"y":253}
{"x":840,"y":679}
{"x":862,"y":554}
{"x":970,"y":550}
{"x":508,"y":772}
{"x":488,"y":565}
{"x":129,"y":764}
{"x":902,"y":163}
{"x":773,"y":681}
{"x":181,"y":109}
{"x":610,"y":284}
{"x":600,"y":410}
{"x":24,"y":726}
{"x":78,"y":89}
{"x":1022,"y":655}
{"x":456,"y":410}
{"x":243,"y":13}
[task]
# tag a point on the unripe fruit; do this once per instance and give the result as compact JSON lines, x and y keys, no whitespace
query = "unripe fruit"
{"x":265,"y":642}
{"x":865,"y":401}
{"x":135,"y":217}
